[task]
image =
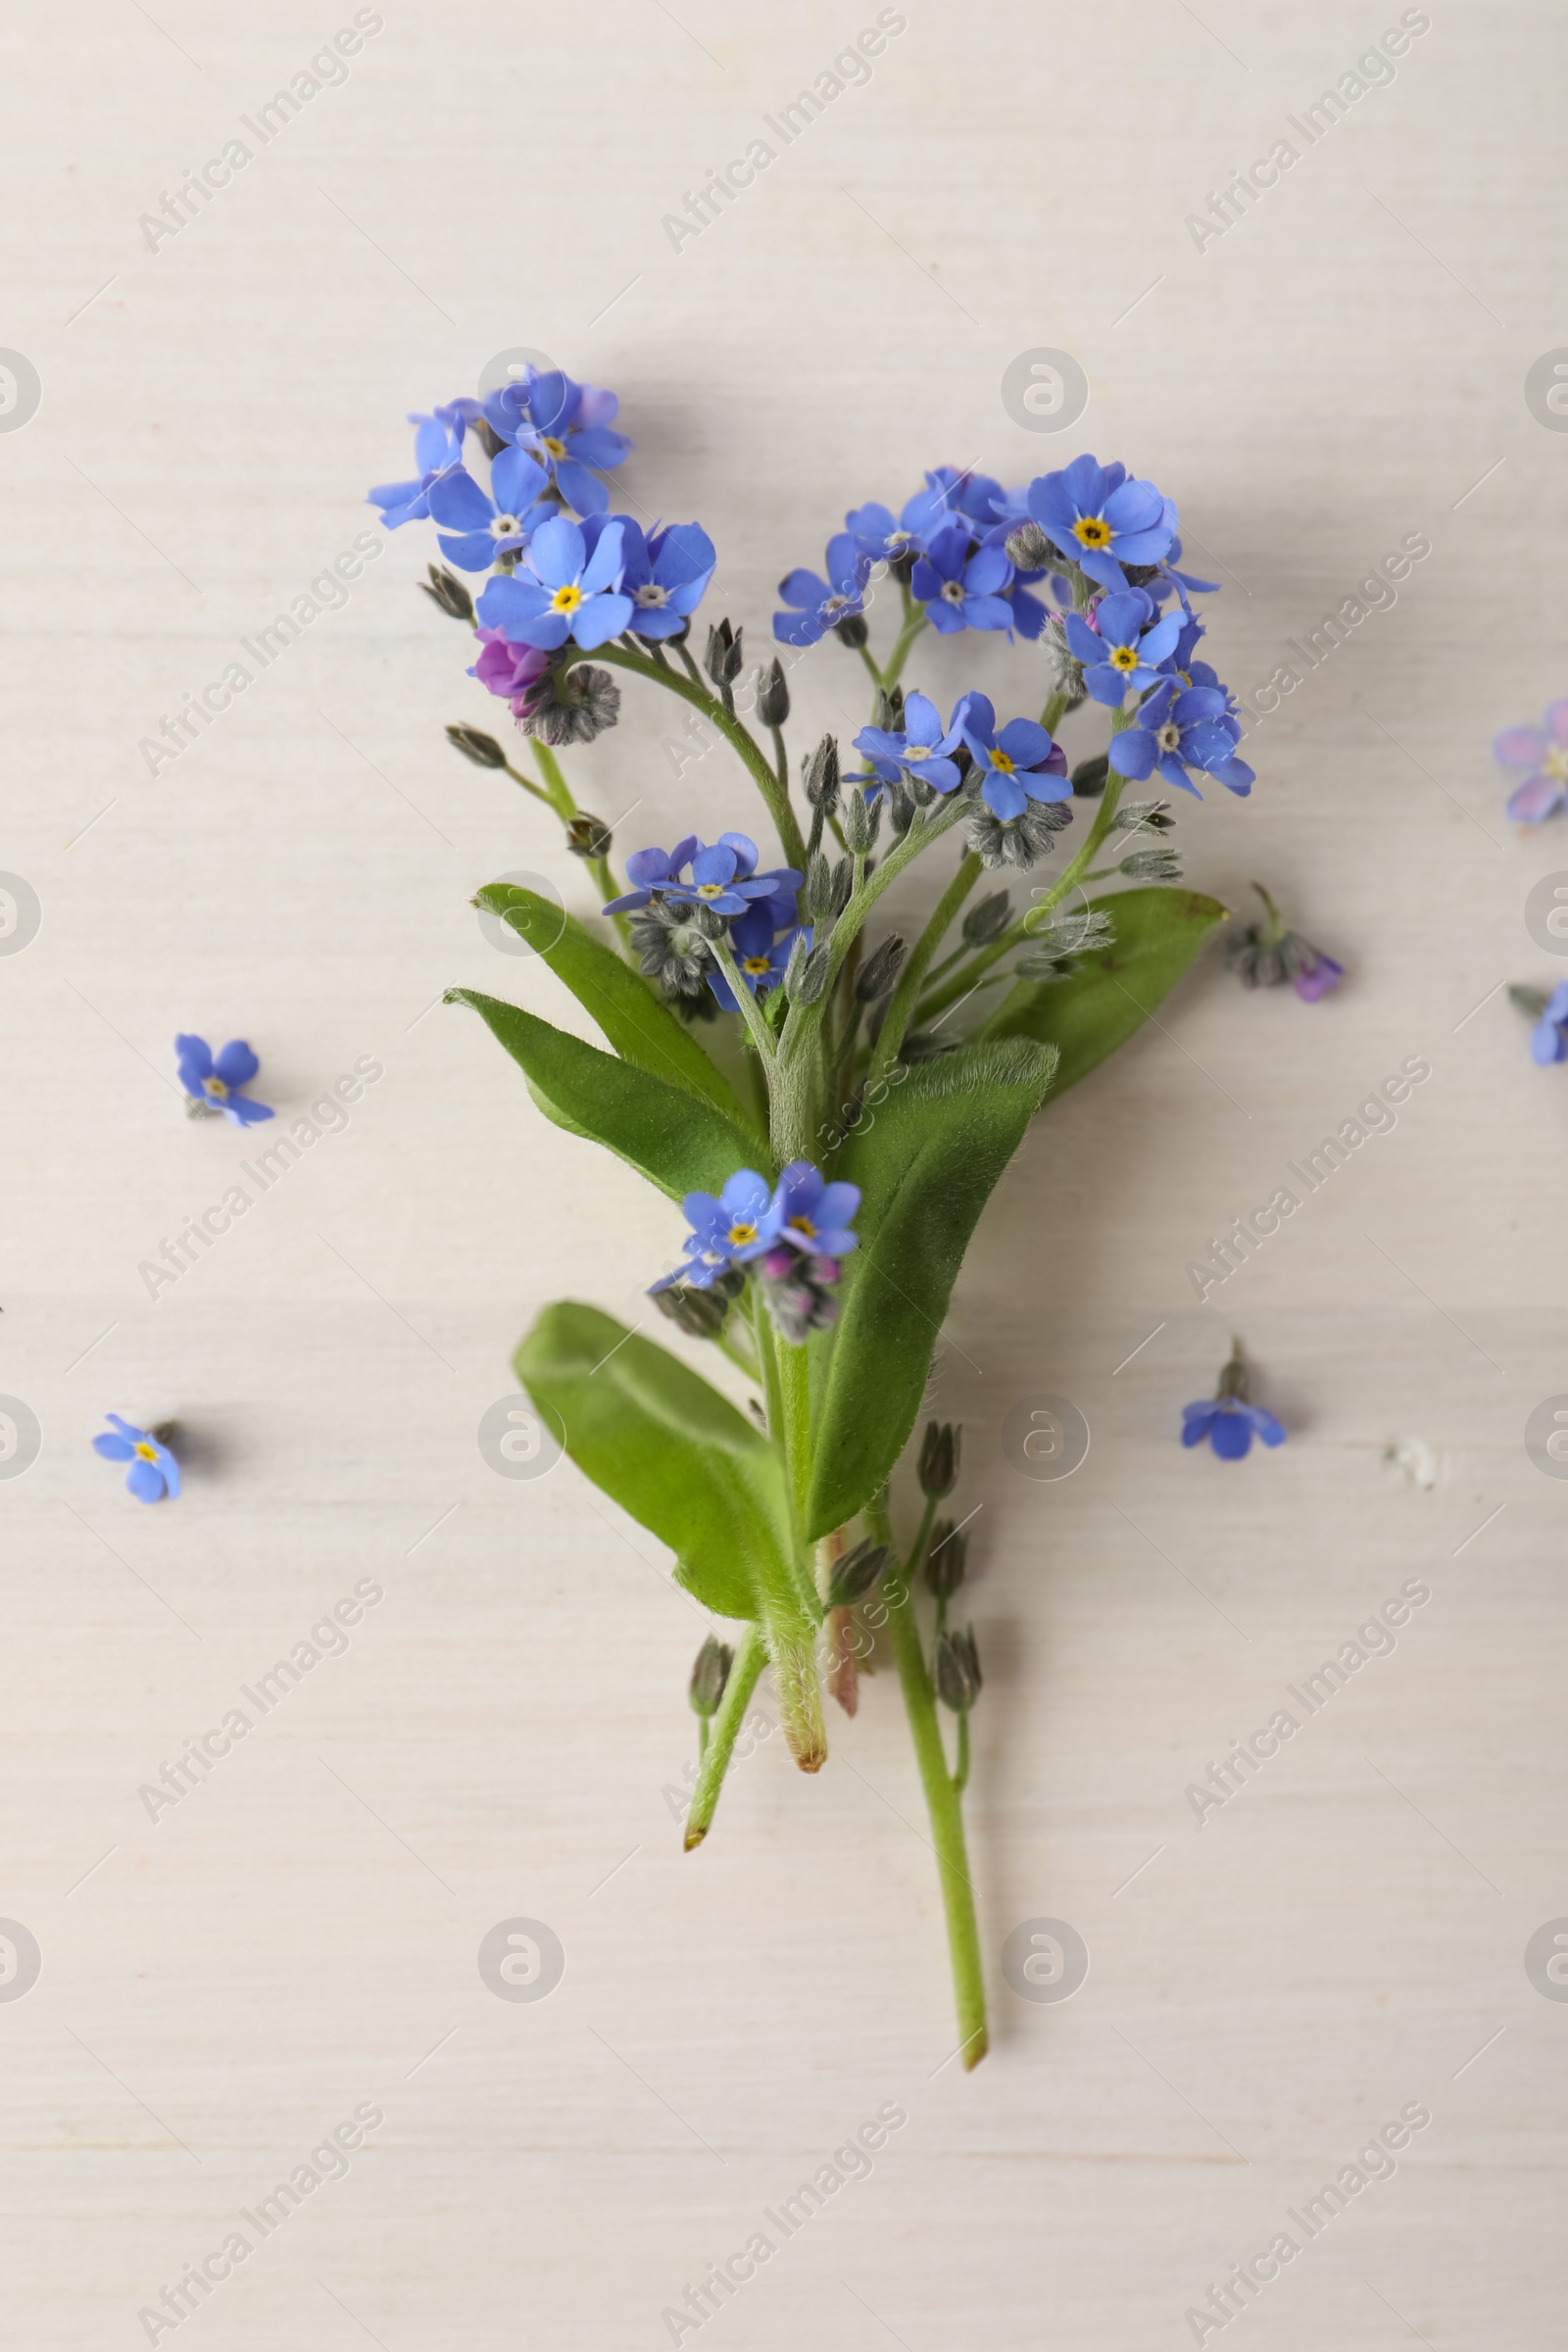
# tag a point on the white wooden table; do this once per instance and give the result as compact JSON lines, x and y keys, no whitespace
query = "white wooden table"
{"x":296,"y":1939}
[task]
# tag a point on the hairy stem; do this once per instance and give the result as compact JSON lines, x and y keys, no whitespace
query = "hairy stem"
{"x":902,"y":1003}
{"x":750,"y":1659}
{"x":941,"y":1796}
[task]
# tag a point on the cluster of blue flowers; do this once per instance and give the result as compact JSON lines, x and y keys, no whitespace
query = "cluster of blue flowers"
{"x":969,"y":555}
{"x":792,"y":1237}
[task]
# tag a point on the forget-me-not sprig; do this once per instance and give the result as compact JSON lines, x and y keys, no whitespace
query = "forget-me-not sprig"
{"x":727,"y":1230}
{"x":559,"y":590}
{"x":962,"y":589}
{"x":1121,"y":644}
{"x":1548,"y":1040}
{"x":665,"y":575}
{"x":1542,"y":752}
{"x":154,"y":1471}
{"x":923,"y":749}
{"x":1018,"y":764}
{"x":213,"y":1081}
{"x":1100,"y":519}
{"x":1179,"y":726}
{"x":476,"y":525}
{"x":820,"y":604}
{"x":816,"y":1213}
{"x":566,"y":429}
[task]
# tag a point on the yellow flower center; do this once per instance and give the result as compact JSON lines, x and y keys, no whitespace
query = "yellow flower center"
{"x":709,"y":890}
{"x":916,"y":751}
{"x":739,"y":1235}
{"x":1091,"y":530}
{"x":1555,"y":765}
{"x":1123,"y":657}
{"x":553,"y":448}
{"x":146,"y":1453}
{"x":567,"y":600}
{"x":1002,"y":763}
{"x":756,"y":965}
{"x":215,"y":1088}
{"x":804,"y":1227}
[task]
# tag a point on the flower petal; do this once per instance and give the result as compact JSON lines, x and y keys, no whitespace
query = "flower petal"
{"x":145,"y":1481}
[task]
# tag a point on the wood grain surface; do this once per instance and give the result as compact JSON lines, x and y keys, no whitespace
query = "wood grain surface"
{"x":503,"y":1735}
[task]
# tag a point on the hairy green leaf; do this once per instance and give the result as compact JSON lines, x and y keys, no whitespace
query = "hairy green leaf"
{"x":672,"y":1137}
{"x":1115,"y":989}
{"x":926,"y":1160}
{"x":638,"y":1024}
{"x":673,"y":1453}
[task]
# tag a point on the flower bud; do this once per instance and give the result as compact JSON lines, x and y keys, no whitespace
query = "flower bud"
{"x":818,"y":887}
{"x":772,"y":695}
{"x":879,"y":971}
{"x":946,"y":1560}
{"x":1152,"y":865}
{"x":483,"y":750}
{"x":856,"y":1574}
{"x":988,"y":920}
{"x":863,"y":821}
{"x":900,"y":808}
{"x":843,"y":884}
{"x":889,"y":710}
{"x":710,"y":1674}
{"x":571,"y":706}
{"x":447,"y":590}
{"x":1089,"y":777}
{"x":805,"y":976}
{"x":940,"y":1451}
{"x":1144,"y":817}
{"x":698,"y":1314}
{"x":822,"y":775}
{"x":1030,"y":548}
{"x":957,"y":1670}
{"x":852,"y":632}
{"x":588,"y":836}
{"x":722,"y":660}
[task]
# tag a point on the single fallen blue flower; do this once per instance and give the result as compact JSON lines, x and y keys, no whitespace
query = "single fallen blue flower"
{"x":961,"y":590}
{"x":477,"y":525}
{"x":816,"y":1213}
{"x":1548,"y":1040}
{"x":728,"y":1230}
{"x":1543,"y":752}
{"x":923,"y":749}
{"x":212,"y":1082}
{"x":1101,"y":520}
{"x":566,"y":429}
{"x":1227,"y":1420}
{"x":1121,"y":644}
{"x":1177,"y":726}
{"x":1018,"y":765}
{"x":665,"y":575}
{"x":559,"y":590}
{"x":154,"y":1471}
{"x":820,"y":604}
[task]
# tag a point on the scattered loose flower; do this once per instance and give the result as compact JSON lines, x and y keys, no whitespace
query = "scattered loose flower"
{"x":1265,"y":953}
{"x":212,"y":1082}
{"x":154,"y":1471}
{"x":1227,"y":1419}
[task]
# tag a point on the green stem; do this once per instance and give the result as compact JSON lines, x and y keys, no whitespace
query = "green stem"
{"x":752,"y":1015}
{"x":960,"y":1777}
{"x":557,"y":791}
{"x":902,"y":1003}
{"x":735,"y":733}
{"x":864,"y":653}
{"x":750,"y":1659}
{"x":942,"y":1801}
{"x":914,"y":620}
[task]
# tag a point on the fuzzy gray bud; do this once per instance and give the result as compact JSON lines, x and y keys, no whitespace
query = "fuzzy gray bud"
{"x":1030,"y":548}
{"x":818,"y":887}
{"x":806,"y":976}
{"x":852,"y":632}
{"x":863,"y":821}
{"x":940,"y":1451}
{"x":772,"y":695}
{"x":822,"y":775}
{"x":588,"y":836}
{"x":483,"y":750}
{"x":708,"y":1676}
{"x":957,"y":1671}
{"x":1152,"y":865}
{"x":889,"y":710}
{"x":571,"y":706}
{"x":1089,"y":777}
{"x":699,"y":1313}
{"x":843,"y":884}
{"x":447,"y":590}
{"x":900,"y":808}
{"x":1144,"y":817}
{"x":879,"y":971}
{"x":946,"y":1560}
{"x":722,"y":660}
{"x":856,"y":1574}
{"x":988,"y":920}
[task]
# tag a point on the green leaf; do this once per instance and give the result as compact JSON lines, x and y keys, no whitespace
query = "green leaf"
{"x":641,"y":1028}
{"x":1113,"y":991}
{"x":670,"y":1450}
{"x":673,"y":1138}
{"x":926,"y":1161}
